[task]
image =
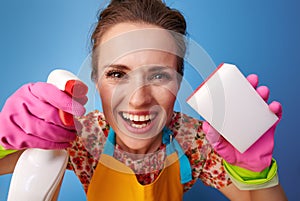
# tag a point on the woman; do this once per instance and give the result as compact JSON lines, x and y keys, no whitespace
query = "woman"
{"x":138,"y":148}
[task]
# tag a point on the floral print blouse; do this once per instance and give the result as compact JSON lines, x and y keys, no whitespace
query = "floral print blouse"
{"x":92,"y":133}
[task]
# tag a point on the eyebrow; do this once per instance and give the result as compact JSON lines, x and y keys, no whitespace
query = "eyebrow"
{"x":120,"y":66}
{"x":150,"y":69}
{"x":157,"y":68}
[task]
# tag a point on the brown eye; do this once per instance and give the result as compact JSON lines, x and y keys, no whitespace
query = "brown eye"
{"x":115,"y":74}
{"x":160,"y":77}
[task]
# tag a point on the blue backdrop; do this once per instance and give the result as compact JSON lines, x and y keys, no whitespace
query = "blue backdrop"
{"x":259,"y":36}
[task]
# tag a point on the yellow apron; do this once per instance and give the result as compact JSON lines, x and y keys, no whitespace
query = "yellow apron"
{"x":114,"y":181}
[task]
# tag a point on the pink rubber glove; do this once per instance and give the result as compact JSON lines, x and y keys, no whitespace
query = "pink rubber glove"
{"x":259,"y":155}
{"x":30,"y":119}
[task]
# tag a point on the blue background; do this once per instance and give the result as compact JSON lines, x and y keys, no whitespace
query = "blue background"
{"x":261,"y":37}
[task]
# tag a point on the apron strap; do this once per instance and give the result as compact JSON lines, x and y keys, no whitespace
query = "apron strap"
{"x":109,"y":146}
{"x":184,"y":163}
{"x":172,"y":146}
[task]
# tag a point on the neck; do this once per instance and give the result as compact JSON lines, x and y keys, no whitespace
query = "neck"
{"x":151,"y":147}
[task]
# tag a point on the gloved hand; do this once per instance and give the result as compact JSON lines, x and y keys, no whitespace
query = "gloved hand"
{"x":30,"y":118}
{"x":259,"y":155}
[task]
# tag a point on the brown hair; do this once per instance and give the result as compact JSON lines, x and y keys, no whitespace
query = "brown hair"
{"x":153,"y":12}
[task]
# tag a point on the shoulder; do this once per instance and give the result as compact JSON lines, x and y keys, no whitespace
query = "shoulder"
{"x":92,"y":130}
{"x":205,"y":162}
{"x":92,"y":124}
{"x":189,"y":134}
{"x":186,"y":129}
{"x":92,"y":120}
{"x":184,"y":123}
{"x":85,"y":151}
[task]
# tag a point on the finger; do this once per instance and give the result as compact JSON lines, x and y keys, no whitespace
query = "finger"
{"x":264,"y":92}
{"x":59,"y":99}
{"x":21,"y":126}
{"x":219,"y":144}
{"x":276,"y":108}
{"x":42,"y":128}
{"x":26,"y":102}
{"x":29,"y":141}
{"x":253,"y":79}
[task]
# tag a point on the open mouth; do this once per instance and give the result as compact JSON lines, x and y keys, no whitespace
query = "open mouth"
{"x":138,"y":120}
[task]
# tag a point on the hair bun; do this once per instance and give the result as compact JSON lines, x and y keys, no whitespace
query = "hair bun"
{"x":116,"y":1}
{"x":120,"y":1}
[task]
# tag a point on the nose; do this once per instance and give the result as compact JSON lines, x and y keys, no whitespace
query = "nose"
{"x":141,"y":96}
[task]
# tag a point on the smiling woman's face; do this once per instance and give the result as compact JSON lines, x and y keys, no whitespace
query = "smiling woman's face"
{"x":137,"y":88}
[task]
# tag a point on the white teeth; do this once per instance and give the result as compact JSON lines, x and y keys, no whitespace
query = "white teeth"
{"x":136,"y":118}
{"x":132,"y":117}
{"x":138,"y":125}
{"x":142,"y":118}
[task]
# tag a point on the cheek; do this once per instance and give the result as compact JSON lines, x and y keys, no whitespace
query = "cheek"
{"x":165,"y":98}
{"x":166,"y":93}
{"x":111,"y":98}
{"x":167,"y":102}
{"x":106,"y":94}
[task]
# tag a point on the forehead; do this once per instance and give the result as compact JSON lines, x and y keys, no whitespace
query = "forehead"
{"x":125,"y":39}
